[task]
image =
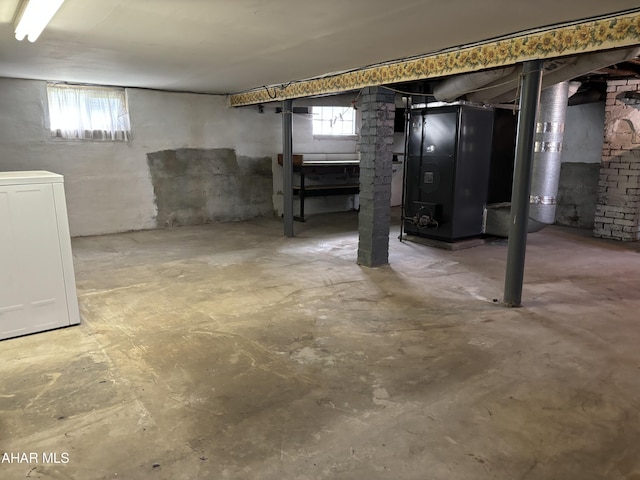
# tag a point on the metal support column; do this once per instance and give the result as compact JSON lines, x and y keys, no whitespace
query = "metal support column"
{"x":519,"y":219}
{"x":405,"y":160}
{"x":287,"y":166}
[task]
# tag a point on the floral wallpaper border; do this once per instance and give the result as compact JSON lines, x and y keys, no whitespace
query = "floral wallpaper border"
{"x":602,"y":34}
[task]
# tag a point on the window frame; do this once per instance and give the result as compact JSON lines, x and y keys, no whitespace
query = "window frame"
{"x":122,"y":135}
{"x":334,"y":136}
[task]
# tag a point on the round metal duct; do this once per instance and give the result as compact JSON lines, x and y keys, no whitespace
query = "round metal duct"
{"x":548,"y":152}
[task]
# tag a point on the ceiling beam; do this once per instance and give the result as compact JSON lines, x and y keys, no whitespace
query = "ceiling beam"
{"x":614,"y":31}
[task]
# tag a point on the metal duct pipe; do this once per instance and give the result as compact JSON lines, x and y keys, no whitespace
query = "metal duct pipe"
{"x":547,"y":152}
{"x":546,"y":164}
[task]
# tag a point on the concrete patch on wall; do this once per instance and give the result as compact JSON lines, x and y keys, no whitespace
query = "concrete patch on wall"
{"x":195,"y":186}
{"x":577,"y":194}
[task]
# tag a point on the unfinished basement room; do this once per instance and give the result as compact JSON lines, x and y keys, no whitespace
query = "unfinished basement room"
{"x":287,"y":240}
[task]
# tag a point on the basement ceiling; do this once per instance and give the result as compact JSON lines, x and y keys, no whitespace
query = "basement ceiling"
{"x":224,"y":46}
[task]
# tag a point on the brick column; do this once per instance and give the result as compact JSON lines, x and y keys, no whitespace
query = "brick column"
{"x":376,"y":143}
{"x":618,"y":208}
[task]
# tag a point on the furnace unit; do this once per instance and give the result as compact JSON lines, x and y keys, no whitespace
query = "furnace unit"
{"x":449,"y":156}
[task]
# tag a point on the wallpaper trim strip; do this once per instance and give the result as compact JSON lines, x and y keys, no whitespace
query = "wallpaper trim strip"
{"x":602,"y":34}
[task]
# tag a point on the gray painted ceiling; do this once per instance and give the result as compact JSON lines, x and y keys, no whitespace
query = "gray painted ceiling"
{"x":224,"y":46}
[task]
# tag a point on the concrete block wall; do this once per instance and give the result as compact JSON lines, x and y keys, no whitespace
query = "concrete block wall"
{"x":109,"y":185}
{"x":618,"y":208}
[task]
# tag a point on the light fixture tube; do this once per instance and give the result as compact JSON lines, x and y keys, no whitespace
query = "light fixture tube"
{"x":36,"y":15}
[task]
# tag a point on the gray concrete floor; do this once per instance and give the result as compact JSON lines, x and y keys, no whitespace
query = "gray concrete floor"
{"x":229,"y":352}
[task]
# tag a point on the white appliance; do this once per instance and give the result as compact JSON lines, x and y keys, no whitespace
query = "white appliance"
{"x":37,"y":281}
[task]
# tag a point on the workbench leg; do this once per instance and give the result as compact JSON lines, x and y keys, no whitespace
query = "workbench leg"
{"x":301,"y":195}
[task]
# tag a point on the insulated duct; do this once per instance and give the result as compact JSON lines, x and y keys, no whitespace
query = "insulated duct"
{"x":508,"y":83}
{"x":548,"y":152}
{"x":505,"y":89}
{"x":555,"y":71}
{"x":452,"y":88}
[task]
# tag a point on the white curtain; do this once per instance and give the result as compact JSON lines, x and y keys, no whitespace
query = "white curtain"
{"x":88,"y":112}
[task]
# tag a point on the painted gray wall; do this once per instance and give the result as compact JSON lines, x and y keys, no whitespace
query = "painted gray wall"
{"x":577,"y":194}
{"x":108,"y":184}
{"x":581,"y":157}
{"x":584,"y":133}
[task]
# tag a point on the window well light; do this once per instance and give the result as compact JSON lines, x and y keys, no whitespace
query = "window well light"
{"x":35,"y":16}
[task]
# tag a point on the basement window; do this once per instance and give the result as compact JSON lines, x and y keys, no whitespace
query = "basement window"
{"x":334,"y":121}
{"x":88,"y":112}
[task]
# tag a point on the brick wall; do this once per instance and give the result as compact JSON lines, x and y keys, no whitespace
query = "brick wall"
{"x":618,"y":207}
{"x":376,"y":145}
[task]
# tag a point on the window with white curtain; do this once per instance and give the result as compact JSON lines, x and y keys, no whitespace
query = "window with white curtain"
{"x":340,"y":121}
{"x":87,"y":112}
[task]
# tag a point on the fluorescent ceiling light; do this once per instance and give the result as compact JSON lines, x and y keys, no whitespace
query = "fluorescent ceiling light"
{"x":35,"y":16}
